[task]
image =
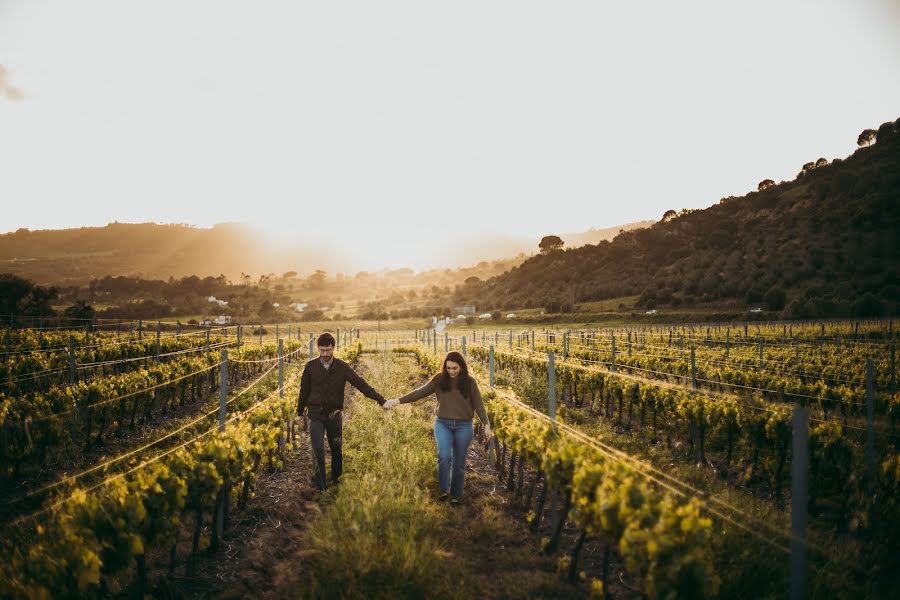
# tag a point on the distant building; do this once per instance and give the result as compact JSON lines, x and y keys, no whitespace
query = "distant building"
{"x":465,"y":310}
{"x":223,"y":320}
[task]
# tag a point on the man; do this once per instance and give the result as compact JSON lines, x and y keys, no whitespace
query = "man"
{"x":322,"y":397}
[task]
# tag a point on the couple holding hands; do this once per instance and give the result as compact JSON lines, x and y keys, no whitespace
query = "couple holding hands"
{"x":458,"y":401}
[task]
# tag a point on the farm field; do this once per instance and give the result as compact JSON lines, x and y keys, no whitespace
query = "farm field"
{"x":626,"y":469}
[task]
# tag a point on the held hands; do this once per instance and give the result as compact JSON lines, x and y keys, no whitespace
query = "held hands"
{"x":388,"y":405}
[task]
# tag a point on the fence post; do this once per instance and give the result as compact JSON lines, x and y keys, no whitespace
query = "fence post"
{"x":870,"y":431}
{"x":510,"y":340}
{"x":532,"y":340}
{"x":491,"y":365}
{"x":158,"y":326}
{"x":759,"y":343}
{"x":260,"y":334}
{"x":222,"y":498}
{"x":693,"y":368}
{"x":280,"y":368}
{"x":612,"y":366}
{"x":551,"y":411}
{"x":434,"y":342}
{"x":312,"y":345}
{"x":223,"y":389}
{"x":463,"y":345}
{"x":893,"y":368}
{"x":799,"y":500}
{"x":446,"y":342}
{"x":140,"y":330}
{"x":71,"y":359}
{"x":207,"y":343}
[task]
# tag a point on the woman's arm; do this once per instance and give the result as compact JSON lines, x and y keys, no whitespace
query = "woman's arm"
{"x":426,"y":390}
{"x":478,"y":403}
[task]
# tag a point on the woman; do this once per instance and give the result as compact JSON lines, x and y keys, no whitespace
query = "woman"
{"x":458,"y":402}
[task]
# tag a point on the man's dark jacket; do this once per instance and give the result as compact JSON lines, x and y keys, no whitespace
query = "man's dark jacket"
{"x":322,"y":390}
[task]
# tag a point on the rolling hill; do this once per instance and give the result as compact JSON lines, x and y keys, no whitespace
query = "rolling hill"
{"x":824,"y":244}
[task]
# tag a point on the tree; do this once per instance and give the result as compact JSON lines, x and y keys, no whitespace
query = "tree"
{"x":80,"y":310}
{"x":821,"y":162}
{"x":765,"y":184}
{"x":550,"y":243}
{"x":775,"y":298}
{"x":12,"y":289}
{"x":866,"y":138}
{"x":20,"y":296}
{"x":266,"y":308}
{"x":868,"y":306}
{"x":317,"y":279}
{"x":885,"y":131}
{"x":669,"y":215}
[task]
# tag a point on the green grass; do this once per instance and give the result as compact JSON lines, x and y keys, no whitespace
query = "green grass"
{"x":377,"y":536}
{"x":382,"y":533}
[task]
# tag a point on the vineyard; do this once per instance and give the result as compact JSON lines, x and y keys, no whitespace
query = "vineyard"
{"x":737,"y":461}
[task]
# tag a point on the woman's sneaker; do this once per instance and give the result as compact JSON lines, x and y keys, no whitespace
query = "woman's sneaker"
{"x":455,"y":500}
{"x":443,"y":496}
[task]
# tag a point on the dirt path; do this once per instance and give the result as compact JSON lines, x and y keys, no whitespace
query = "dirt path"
{"x":494,"y":554}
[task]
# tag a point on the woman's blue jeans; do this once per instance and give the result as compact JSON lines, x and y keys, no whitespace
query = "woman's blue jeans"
{"x":453,"y":437}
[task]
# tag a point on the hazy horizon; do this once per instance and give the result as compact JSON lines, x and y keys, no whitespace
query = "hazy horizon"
{"x":279,"y":256}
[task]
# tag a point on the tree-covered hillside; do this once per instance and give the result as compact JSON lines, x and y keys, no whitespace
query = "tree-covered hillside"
{"x":822,"y":245}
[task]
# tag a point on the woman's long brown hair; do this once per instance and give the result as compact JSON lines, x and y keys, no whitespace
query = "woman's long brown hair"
{"x":444,"y":379}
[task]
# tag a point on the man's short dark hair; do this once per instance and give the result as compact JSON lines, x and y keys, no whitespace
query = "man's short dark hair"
{"x":325,"y":340}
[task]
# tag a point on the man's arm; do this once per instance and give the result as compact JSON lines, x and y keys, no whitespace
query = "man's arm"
{"x":359,"y":383}
{"x":305,"y":389}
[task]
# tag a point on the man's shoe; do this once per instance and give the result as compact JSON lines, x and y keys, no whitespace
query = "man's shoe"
{"x":455,"y":500}
{"x":443,"y":496}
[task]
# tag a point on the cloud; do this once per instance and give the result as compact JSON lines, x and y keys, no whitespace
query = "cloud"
{"x":6,"y":88}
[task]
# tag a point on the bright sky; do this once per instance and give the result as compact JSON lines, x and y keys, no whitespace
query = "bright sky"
{"x":398,"y":122}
